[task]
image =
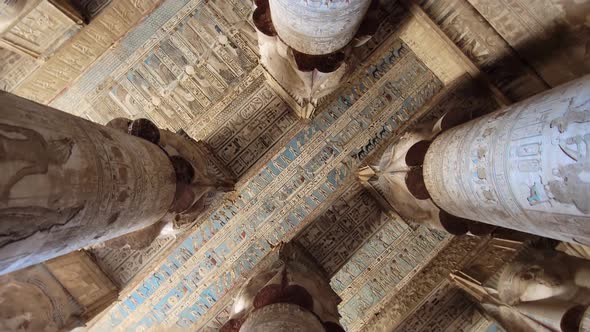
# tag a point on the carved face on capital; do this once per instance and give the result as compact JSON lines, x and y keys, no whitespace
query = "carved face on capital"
{"x":25,"y":307}
{"x":541,"y":284}
{"x":535,"y":280}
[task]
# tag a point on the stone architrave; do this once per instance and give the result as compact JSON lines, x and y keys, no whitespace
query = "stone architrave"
{"x":67,"y":183}
{"x":524,"y":167}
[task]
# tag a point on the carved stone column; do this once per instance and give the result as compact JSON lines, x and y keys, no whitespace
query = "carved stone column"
{"x":67,"y":183}
{"x":525,"y":167}
{"x":398,"y":185}
{"x":305,"y":45}
{"x":294,"y":294}
{"x":57,"y":295}
{"x":556,"y":315}
{"x":585,"y":323}
{"x":544,"y":274}
{"x":317,"y":27}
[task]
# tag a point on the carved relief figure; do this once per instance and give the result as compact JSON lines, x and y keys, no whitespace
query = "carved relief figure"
{"x":571,"y":116}
{"x":124,"y":100}
{"x":574,"y":187}
{"x":159,"y":70}
{"x":16,"y":220}
{"x":27,"y":146}
{"x":538,"y":194}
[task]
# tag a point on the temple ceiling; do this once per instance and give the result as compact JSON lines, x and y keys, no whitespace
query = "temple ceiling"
{"x":193,"y":65}
{"x":297,"y":179}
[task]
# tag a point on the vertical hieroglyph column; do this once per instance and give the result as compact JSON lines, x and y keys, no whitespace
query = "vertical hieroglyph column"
{"x":525,"y":167}
{"x":66,"y":183}
{"x":317,"y":27}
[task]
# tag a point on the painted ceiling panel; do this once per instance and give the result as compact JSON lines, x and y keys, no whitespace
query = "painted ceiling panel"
{"x":183,"y":54}
{"x":283,"y":198}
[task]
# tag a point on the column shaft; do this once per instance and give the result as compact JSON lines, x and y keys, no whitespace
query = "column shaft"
{"x":66,"y":183}
{"x":525,"y":167}
{"x":318,"y":26}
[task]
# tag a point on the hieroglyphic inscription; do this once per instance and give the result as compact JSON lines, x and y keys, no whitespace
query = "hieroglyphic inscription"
{"x":258,"y":119}
{"x":398,"y":305}
{"x":14,"y":68}
{"x":40,"y":31}
{"x":386,"y":263}
{"x":122,"y":265}
{"x":342,"y":229}
{"x":174,"y":77}
{"x":446,"y":309}
{"x":514,"y":163}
